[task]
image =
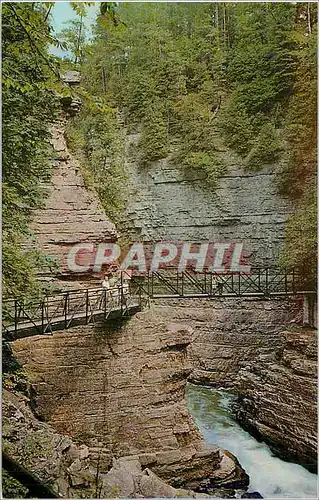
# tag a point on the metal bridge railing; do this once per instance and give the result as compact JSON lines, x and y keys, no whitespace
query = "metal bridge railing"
{"x":67,"y":308}
{"x":61,"y":310}
{"x":263,"y":282}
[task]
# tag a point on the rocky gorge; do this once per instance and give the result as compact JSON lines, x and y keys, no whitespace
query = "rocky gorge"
{"x":134,"y":377}
{"x":103,"y":412}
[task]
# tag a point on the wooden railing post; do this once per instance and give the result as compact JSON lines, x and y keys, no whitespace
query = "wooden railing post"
{"x":140,"y":295}
{"x":121,"y":294}
{"x":42,"y":316}
{"x":259,"y":285}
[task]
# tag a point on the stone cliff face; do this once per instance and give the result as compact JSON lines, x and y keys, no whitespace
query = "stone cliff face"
{"x":124,"y":388}
{"x":228,"y":333}
{"x":278,"y":397}
{"x":236,"y":342}
{"x":245,"y":207}
{"x":72,"y":213}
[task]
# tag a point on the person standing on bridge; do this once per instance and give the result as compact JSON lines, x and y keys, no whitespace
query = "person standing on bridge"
{"x":106,"y":287}
{"x":105,"y":282}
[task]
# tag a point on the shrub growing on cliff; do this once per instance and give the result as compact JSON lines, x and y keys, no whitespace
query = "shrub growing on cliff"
{"x":95,"y":136}
{"x":266,"y":148}
{"x":11,"y":488}
{"x":206,"y":163}
{"x":154,"y":137}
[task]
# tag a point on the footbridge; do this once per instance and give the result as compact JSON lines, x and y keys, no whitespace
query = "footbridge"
{"x":65,"y":309}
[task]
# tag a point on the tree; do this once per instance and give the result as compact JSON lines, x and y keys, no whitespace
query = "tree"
{"x":74,"y":37}
{"x":28,"y":108}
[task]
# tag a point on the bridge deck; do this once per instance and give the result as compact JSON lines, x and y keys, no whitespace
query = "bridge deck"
{"x":36,"y":327}
{"x":62,"y":310}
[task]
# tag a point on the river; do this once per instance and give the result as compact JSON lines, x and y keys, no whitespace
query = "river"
{"x":269,"y":475}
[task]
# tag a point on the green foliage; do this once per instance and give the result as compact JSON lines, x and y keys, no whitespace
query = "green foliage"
{"x":11,"y":487}
{"x":260,"y":74}
{"x":157,"y":66}
{"x":154,"y":138}
{"x":207,"y":163}
{"x":237,"y":126}
{"x":95,"y":136}
{"x":73,"y":38}
{"x":28,"y":109}
{"x":266,"y":148}
{"x":300,"y":250}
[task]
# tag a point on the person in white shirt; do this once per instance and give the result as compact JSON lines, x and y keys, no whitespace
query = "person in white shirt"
{"x":106,"y":287}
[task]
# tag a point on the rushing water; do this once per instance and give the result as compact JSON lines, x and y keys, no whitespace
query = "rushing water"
{"x":269,"y":475}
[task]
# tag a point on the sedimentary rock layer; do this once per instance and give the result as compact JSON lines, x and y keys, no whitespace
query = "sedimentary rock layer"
{"x":229,"y":333}
{"x":72,"y":212}
{"x":278,"y":397}
{"x":245,"y":207}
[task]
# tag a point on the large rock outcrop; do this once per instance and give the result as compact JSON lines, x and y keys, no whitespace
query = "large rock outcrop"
{"x":278,"y":397}
{"x":120,"y":391}
{"x":65,"y":468}
{"x":72,"y":212}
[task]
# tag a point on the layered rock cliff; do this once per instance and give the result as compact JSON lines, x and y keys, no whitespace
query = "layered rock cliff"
{"x":120,"y":391}
{"x":72,"y":212}
{"x":245,"y":207}
{"x":229,"y":333}
{"x":278,"y":397}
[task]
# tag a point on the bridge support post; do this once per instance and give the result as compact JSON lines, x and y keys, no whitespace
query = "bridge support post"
{"x":87,"y":306}
{"x":310,"y":311}
{"x":122,"y":294}
{"x":66,"y":310}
